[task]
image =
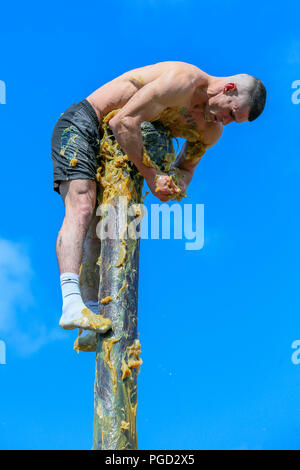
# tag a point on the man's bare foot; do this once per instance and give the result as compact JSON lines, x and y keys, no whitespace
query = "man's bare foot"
{"x":86,"y":320}
{"x":86,"y":343}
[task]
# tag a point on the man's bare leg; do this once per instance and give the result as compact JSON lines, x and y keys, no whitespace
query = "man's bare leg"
{"x":80,"y":198}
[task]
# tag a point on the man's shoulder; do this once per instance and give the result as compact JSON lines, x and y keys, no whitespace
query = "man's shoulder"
{"x":167,"y":72}
{"x":183,"y":68}
{"x":180,"y":65}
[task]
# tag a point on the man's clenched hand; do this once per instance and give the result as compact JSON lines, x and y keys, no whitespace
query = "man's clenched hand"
{"x":163,"y":187}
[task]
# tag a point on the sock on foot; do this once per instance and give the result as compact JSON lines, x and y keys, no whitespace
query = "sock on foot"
{"x":72,"y":301}
{"x":75,"y":314}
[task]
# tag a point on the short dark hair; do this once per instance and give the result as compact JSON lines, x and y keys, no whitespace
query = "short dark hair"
{"x":258,"y":95}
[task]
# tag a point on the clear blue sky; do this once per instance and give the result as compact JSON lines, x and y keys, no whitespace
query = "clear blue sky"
{"x":216,"y":325}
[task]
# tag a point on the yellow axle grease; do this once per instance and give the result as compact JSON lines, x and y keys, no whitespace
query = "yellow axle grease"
{"x":133,"y":354}
{"x":124,"y":425}
{"x":170,"y":117}
{"x":133,"y":359}
{"x":73,"y":161}
{"x":124,"y":286}
{"x":83,"y":347}
{"x":148,"y":162}
{"x":174,"y":177}
{"x":96,"y":322}
{"x":70,"y":141}
{"x":125,"y":370}
{"x":122,"y":254}
{"x":106,"y":300}
{"x":146,"y":194}
{"x":114,"y":176}
{"x":107,"y":347}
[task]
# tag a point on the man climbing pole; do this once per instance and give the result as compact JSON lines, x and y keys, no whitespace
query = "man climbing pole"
{"x":185,"y":101}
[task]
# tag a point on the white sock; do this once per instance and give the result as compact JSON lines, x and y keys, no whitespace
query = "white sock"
{"x":72,"y":301}
{"x":75,"y":314}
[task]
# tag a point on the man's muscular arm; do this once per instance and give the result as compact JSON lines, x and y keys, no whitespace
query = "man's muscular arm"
{"x":191,"y":154}
{"x":169,"y":90}
{"x":187,"y":160}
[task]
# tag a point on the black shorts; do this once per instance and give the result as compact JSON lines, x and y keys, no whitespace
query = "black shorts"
{"x":75,"y":144}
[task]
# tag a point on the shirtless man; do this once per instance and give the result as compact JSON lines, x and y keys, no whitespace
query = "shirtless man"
{"x":203,"y":105}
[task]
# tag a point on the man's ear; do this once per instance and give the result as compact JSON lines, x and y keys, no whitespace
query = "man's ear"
{"x":229,"y":88}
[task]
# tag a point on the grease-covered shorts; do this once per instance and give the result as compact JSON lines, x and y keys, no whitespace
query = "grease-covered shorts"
{"x":75,"y":144}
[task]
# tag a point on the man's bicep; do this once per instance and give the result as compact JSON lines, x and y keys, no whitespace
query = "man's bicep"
{"x":142,"y":106}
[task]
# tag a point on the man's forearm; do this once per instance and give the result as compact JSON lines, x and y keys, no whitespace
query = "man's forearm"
{"x":185,"y":175}
{"x":129,"y":138}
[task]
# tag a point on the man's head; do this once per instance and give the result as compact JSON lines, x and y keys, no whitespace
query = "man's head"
{"x":238,"y":98}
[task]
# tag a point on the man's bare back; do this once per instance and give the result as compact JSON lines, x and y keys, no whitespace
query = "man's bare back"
{"x":175,"y":94}
{"x":188,"y":116}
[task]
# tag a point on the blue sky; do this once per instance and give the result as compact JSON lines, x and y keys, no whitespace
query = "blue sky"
{"x":216,"y":325}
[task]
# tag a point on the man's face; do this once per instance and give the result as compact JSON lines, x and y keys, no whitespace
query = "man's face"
{"x":226,"y":108}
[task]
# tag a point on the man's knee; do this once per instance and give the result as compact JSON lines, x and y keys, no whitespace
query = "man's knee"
{"x":83,"y":212}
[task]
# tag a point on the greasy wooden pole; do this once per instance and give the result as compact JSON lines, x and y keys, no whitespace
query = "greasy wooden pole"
{"x":117,"y":357}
